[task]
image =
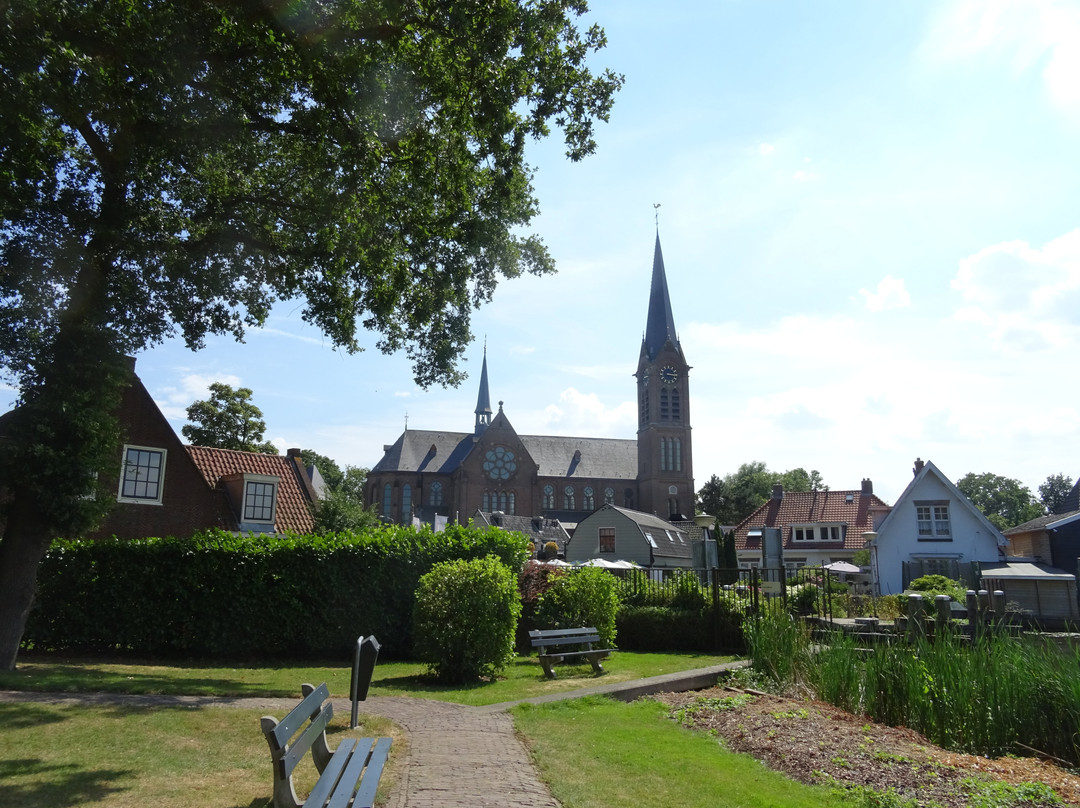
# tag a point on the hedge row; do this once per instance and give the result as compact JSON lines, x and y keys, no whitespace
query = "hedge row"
{"x":666,"y":628}
{"x":218,"y":595}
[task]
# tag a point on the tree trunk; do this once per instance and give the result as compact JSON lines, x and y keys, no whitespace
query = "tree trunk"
{"x":26,"y":538}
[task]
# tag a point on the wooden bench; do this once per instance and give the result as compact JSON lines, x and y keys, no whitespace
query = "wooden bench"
{"x":543,"y":639}
{"x":349,"y":775}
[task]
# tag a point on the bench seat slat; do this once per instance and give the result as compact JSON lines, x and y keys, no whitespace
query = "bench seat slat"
{"x":330,"y":776}
{"x":370,"y":756}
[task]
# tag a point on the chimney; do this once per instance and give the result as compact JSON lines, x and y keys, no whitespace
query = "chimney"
{"x":778,"y":491}
{"x":867,"y":487}
{"x":918,"y":466}
{"x":293,"y":453}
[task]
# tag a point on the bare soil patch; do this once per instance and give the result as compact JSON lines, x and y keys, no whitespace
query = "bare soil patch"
{"x":815,"y":742}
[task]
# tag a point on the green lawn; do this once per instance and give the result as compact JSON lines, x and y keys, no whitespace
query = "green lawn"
{"x":522,"y":679}
{"x":600,"y":753}
{"x":56,"y":755}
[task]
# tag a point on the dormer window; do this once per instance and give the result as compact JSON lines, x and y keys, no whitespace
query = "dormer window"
{"x":260,"y":498}
{"x":142,"y":477}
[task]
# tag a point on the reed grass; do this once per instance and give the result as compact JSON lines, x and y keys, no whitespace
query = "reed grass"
{"x":995,"y":696}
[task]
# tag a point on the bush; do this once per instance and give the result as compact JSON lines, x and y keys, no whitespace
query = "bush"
{"x":533,"y":581}
{"x":930,"y":586}
{"x":465,"y":619}
{"x":585,"y":597}
{"x":221,"y":596}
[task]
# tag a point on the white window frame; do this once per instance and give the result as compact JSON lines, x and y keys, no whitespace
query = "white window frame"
{"x":259,"y":479}
{"x":937,"y":526}
{"x":124,"y":465}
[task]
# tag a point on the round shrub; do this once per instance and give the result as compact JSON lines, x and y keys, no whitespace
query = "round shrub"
{"x":464,"y":619}
{"x":584,"y":597}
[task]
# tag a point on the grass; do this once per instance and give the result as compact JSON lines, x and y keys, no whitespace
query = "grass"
{"x":598,"y":753}
{"x":58,"y":755}
{"x":521,"y":680}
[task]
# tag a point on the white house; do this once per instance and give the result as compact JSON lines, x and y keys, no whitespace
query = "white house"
{"x":932,"y":529}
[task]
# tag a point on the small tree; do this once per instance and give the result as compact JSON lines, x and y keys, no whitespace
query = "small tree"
{"x":465,"y":619}
{"x":227,"y":420}
{"x":587,"y":596}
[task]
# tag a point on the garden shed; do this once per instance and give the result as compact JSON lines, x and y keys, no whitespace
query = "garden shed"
{"x":1042,"y":593}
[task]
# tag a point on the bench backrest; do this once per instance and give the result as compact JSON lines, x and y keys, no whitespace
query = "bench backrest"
{"x":296,"y":733}
{"x":560,"y":636}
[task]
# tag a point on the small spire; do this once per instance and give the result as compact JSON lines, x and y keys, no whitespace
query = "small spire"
{"x":483,"y":399}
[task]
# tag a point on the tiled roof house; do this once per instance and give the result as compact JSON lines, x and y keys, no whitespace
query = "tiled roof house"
{"x":816,"y":527}
{"x":165,"y":488}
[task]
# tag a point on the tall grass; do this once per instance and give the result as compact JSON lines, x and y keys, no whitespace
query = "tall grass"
{"x":991,"y":697}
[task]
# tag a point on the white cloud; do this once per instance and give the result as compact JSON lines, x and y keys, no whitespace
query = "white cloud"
{"x":579,"y":413}
{"x":1029,"y":34}
{"x":805,"y":176}
{"x":765,"y":149}
{"x":1028,"y":298}
{"x":174,"y":401}
{"x":890,"y":294}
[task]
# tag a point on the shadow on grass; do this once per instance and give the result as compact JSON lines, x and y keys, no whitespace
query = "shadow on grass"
{"x":56,"y":785}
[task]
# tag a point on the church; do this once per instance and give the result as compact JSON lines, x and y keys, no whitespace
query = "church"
{"x":437,"y":476}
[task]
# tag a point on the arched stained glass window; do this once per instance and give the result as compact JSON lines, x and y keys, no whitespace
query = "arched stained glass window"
{"x":388,"y":501}
{"x":406,"y":503}
{"x":568,"y":499}
{"x":549,"y":497}
{"x":435,"y":494}
{"x":589,"y":499}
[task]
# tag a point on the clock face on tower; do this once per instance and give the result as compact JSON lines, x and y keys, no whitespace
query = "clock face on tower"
{"x":668,"y":374}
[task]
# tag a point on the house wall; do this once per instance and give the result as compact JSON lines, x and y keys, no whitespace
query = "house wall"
{"x":188,"y":503}
{"x":1065,"y":547}
{"x":630,"y":545}
{"x":898,"y":540}
{"x":1031,"y":545}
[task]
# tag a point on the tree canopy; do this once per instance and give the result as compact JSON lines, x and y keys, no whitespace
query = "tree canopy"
{"x":1004,"y":501}
{"x":178,"y":167}
{"x":1055,"y":491}
{"x":342,"y":505}
{"x":737,"y":495}
{"x":227,"y":420}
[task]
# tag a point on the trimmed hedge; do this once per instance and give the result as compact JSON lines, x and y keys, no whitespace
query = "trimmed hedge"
{"x":218,"y":595}
{"x":666,"y":628}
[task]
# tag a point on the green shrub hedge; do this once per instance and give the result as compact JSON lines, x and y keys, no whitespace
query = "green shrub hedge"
{"x":218,"y":595}
{"x":465,"y":617}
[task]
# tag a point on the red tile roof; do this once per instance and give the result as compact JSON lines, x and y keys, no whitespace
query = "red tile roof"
{"x":294,"y":496}
{"x":813,"y":507}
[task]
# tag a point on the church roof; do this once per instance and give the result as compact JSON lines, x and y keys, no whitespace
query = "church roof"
{"x":443,"y":452}
{"x":660,"y":326}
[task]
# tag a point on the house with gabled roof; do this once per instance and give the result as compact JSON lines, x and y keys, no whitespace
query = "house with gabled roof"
{"x":1053,"y":539}
{"x":612,"y":533}
{"x":166,"y":488}
{"x":539,"y":529}
{"x":816,"y":527}
{"x":932,"y":529}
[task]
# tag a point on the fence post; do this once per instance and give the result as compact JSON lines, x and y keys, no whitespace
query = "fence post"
{"x":997,"y":598}
{"x":973,"y":613}
{"x":916,"y":616}
{"x":944,"y":613}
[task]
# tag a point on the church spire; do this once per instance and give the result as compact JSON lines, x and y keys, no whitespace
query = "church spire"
{"x":483,"y":400}
{"x":660,"y":326}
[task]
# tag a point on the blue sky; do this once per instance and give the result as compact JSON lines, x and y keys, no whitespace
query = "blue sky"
{"x":871,"y":226}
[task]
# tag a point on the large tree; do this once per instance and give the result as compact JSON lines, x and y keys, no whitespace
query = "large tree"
{"x":737,"y":495}
{"x":177,"y":166}
{"x":342,"y":504}
{"x":1055,"y":491}
{"x":229,"y":420}
{"x":1004,"y":501}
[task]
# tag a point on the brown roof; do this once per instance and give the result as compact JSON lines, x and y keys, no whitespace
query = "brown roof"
{"x":294,"y":492}
{"x":853,"y":509}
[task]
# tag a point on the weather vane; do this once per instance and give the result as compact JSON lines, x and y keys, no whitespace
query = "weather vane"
{"x":656,"y":213}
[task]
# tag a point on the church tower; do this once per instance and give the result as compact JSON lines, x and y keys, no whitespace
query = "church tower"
{"x":665,"y":468}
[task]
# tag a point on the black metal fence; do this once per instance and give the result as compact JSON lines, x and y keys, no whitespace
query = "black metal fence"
{"x":734,"y":595}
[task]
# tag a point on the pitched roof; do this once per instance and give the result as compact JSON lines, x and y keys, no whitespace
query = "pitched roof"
{"x":542,"y":529}
{"x":853,"y":508}
{"x":293,"y":496}
{"x":1047,"y":521}
{"x":443,"y":452}
{"x":926,"y":469}
{"x":666,"y":539}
